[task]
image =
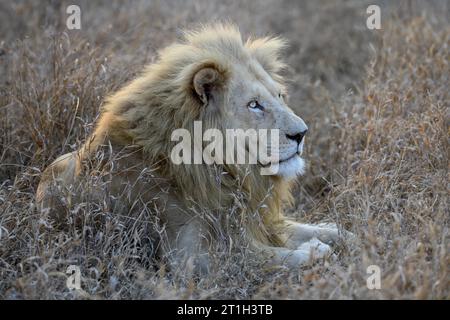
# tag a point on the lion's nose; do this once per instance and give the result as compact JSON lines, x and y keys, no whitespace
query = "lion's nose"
{"x":298,"y":137}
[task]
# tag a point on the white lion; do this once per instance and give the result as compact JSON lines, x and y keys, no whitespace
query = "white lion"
{"x":214,"y":77}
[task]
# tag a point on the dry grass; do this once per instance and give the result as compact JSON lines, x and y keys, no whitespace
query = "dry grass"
{"x":377,"y":103}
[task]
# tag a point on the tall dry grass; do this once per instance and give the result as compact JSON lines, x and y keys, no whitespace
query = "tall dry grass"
{"x":376,"y":103}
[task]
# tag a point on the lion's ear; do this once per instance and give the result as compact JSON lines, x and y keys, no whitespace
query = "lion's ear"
{"x":207,"y":83}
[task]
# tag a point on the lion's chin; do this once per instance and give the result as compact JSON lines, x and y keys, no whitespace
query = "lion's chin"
{"x":291,"y":168}
{"x":288,"y":169}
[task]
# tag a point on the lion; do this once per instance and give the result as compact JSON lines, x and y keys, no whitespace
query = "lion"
{"x":213,"y":76}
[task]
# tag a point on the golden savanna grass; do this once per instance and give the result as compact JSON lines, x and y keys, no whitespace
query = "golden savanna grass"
{"x":376,"y":103}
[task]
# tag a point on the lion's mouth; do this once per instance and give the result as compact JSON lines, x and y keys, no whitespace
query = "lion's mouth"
{"x":297,"y":154}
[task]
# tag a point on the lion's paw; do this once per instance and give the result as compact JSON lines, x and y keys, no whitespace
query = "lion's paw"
{"x":328,"y":233}
{"x":317,"y":247}
{"x":331,"y":235}
{"x":308,"y":252}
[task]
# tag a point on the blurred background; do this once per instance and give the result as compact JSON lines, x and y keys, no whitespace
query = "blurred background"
{"x":376,"y":103}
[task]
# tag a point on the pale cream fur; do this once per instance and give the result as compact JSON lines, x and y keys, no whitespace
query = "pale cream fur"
{"x":209,"y":76}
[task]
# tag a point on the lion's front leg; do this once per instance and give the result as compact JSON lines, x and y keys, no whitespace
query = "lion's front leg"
{"x":188,"y":247}
{"x":297,"y":233}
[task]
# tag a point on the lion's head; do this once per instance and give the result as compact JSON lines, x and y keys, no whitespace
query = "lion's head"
{"x":256,"y":101}
{"x":240,"y":81}
{"x":212,"y":76}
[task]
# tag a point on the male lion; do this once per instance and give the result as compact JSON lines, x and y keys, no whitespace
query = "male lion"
{"x":214,"y":77}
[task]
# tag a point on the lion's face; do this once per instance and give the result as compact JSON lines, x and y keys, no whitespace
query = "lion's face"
{"x":240,"y":83}
{"x":258,"y":102}
{"x":250,"y":98}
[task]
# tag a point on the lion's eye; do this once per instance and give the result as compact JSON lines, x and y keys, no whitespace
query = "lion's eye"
{"x":254,"y":105}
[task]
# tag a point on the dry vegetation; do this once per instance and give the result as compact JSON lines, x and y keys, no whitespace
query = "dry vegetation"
{"x":376,"y":102}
